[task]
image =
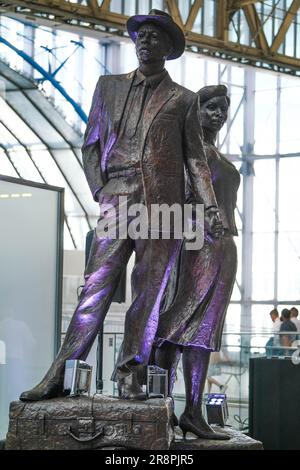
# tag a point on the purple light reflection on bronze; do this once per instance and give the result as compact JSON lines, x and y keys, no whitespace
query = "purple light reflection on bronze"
{"x":92,"y":301}
{"x":151,"y":327}
{"x":106,"y":153}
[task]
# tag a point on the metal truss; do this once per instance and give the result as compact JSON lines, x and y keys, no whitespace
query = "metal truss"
{"x":259,"y":52}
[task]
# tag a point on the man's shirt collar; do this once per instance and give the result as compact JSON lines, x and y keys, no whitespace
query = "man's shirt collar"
{"x":152,"y":81}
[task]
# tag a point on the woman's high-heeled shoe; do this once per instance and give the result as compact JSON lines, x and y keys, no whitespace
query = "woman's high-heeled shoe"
{"x":200,"y":429}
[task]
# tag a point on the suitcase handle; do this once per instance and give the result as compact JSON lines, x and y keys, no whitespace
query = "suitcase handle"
{"x":85,"y":439}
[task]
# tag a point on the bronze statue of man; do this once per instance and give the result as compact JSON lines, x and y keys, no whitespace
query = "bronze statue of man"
{"x":143,"y":131}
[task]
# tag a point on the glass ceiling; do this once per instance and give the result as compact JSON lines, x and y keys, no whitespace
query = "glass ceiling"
{"x":36,"y":143}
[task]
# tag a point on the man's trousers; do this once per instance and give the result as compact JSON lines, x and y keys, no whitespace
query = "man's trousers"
{"x":154,"y":260}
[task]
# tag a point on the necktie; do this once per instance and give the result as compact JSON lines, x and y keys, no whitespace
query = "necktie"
{"x":137,"y":108}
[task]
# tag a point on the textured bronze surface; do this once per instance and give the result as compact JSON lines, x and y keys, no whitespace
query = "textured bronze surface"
{"x":90,"y":423}
{"x":169,"y":142}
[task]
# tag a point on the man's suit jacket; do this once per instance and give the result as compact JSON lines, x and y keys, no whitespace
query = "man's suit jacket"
{"x":171,"y":140}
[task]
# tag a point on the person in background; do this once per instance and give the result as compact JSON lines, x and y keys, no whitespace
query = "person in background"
{"x":276,"y":320}
{"x":274,"y":340}
{"x":217,"y":358}
{"x":287,"y":326}
{"x":294,"y":317}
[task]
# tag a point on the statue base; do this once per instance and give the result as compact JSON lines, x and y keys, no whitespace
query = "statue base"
{"x":83,"y":423}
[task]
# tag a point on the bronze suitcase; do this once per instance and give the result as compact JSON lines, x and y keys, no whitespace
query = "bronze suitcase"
{"x":90,"y":423}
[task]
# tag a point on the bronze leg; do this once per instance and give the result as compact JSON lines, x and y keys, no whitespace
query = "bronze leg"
{"x":167,"y":357}
{"x":195,"y":364}
{"x":106,"y":262}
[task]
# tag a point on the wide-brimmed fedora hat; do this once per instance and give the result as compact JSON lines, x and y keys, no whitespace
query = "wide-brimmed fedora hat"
{"x":165,"y":21}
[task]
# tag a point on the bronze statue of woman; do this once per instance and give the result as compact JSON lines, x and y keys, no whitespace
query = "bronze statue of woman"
{"x":193,"y":323}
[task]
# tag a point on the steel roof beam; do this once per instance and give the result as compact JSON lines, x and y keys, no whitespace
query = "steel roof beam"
{"x":98,"y":17}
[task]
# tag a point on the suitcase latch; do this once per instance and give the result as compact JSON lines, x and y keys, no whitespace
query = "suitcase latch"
{"x":85,"y":426}
{"x":85,"y":430}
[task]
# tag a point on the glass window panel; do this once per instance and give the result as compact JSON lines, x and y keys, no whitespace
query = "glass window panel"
{"x":79,"y":228}
{"x":289,"y":116}
{"x":268,"y":29}
{"x":14,"y":122}
{"x":264,"y":196}
{"x":54,"y":118}
{"x":184,"y":8}
{"x":223,"y":138}
{"x":237,"y":76}
{"x":239,"y":211}
{"x":233,"y":318}
{"x":286,"y":4}
{"x":68,"y":243}
{"x":236,"y":135}
{"x":6,"y":167}
{"x":263,"y":266}
{"x":265,"y":114}
{"x":78,"y":153}
{"x":116,"y":6}
{"x":233,"y":28}
{"x":158,"y":4}
{"x":193,"y":72}
{"x":238,"y":165}
{"x":260,"y":318}
{"x":245,"y":36}
{"x":289,"y":266}
{"x":24,"y":165}
{"x":53,"y":176}
{"x":238,"y":242}
{"x":66,"y":47}
{"x":128,"y":60}
{"x":6,"y":137}
{"x":92,"y":60}
{"x":209,"y":17}
{"x":212,"y":74}
{"x":13,"y":32}
{"x":35,"y":121}
{"x":71,"y":115}
{"x":289,"y":194}
{"x":289,"y":41}
{"x":231,"y":339}
{"x":258,"y":344}
{"x":143,"y":7}
{"x":198,"y":26}
{"x":236,"y":293}
{"x":44,"y":38}
{"x":176,"y":69}
{"x":265,"y":81}
{"x":73,"y":171}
